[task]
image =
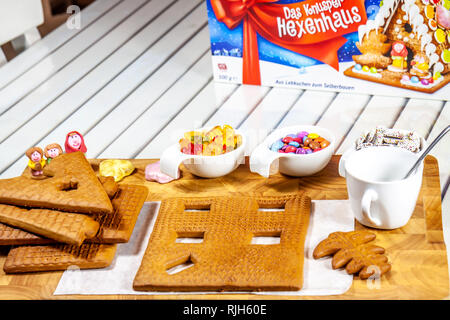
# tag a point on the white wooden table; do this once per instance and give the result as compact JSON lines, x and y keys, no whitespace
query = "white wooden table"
{"x":138,"y":73}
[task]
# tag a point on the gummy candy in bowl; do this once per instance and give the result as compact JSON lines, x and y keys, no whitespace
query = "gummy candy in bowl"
{"x":206,"y":152}
{"x":307,"y":152}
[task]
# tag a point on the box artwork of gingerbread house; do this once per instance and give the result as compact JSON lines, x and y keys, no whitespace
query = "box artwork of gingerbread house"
{"x":406,"y":45}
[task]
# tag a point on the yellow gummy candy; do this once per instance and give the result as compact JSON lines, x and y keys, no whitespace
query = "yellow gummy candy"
{"x":213,"y":149}
{"x":215,"y":141}
{"x":228,"y":128}
{"x":237,"y":141}
{"x":213,"y":134}
{"x":195,"y":137}
{"x":184,"y":143}
{"x":228,"y":132}
{"x":118,"y":169}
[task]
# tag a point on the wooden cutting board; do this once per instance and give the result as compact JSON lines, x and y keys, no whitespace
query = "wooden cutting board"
{"x":417,"y":251}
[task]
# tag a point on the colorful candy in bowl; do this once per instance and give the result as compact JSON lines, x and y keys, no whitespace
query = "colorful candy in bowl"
{"x":207,"y":152}
{"x":302,"y":142}
{"x":216,"y":141}
{"x":301,"y":150}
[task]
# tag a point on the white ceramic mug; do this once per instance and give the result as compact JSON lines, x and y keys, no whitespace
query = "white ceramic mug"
{"x":380,"y":197}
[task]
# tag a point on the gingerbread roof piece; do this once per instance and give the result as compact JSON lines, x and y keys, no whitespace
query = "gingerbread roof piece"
{"x":114,"y":228}
{"x":118,"y":226}
{"x":73,"y":187}
{"x":66,"y":227}
{"x":59,"y":257}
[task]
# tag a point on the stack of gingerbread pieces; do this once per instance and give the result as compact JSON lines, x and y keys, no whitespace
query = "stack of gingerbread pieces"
{"x":69,"y":218}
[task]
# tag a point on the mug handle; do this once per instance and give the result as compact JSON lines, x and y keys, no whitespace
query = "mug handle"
{"x":261,"y":159}
{"x":366,"y":201}
{"x":171,"y":160}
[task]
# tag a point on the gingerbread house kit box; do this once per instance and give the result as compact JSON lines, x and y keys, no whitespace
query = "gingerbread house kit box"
{"x":387,"y":47}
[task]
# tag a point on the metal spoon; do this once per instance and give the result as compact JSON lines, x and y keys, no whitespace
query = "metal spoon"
{"x":432,"y":144}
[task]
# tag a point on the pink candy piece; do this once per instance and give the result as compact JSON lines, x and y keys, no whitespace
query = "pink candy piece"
{"x":443,"y":16}
{"x":153,"y":173}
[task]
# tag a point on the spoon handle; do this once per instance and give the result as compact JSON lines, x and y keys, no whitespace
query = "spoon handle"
{"x":424,"y":154}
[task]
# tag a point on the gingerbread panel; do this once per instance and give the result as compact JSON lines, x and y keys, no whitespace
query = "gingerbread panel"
{"x":225,"y":257}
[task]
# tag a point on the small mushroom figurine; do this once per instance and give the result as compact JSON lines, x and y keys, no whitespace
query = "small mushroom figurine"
{"x":36,"y":162}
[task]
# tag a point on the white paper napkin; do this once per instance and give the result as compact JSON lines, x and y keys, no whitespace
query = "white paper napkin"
{"x":319,"y":278}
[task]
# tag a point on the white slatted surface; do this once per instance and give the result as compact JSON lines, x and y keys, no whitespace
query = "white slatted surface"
{"x":122,"y":67}
{"x":70,"y":62}
{"x":42,"y":49}
{"x":138,"y":74}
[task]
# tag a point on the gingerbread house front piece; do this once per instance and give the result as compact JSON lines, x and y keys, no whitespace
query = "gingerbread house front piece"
{"x":406,"y":45}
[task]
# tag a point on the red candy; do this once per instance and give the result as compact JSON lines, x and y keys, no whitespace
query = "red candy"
{"x":290,"y":149}
{"x":287,"y":139}
{"x":193,"y":149}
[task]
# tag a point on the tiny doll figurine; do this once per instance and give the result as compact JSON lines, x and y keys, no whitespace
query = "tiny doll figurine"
{"x":52,"y":151}
{"x":420,"y":66}
{"x":74,"y":142}
{"x":399,"y":55}
{"x":36,"y":162}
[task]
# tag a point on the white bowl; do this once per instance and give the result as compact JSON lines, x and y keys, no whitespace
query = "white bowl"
{"x":297,"y":165}
{"x":202,"y":166}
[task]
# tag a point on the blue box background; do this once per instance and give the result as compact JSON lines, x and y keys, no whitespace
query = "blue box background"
{"x":226,"y":42}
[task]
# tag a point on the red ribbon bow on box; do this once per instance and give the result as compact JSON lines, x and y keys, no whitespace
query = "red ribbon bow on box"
{"x":260,"y":17}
